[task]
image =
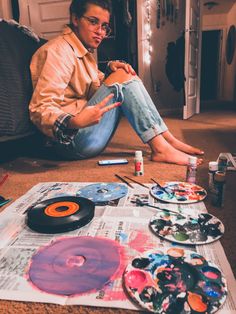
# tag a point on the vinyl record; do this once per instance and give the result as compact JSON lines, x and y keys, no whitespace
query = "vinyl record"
{"x":75,"y":265}
{"x":174,"y":280}
{"x":60,"y":214}
{"x":179,"y":192}
{"x":103,"y":192}
{"x":200,"y":229}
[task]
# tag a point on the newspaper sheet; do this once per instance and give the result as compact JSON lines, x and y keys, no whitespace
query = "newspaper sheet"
{"x":120,"y":220}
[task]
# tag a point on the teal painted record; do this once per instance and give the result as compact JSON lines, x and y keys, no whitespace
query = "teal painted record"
{"x":103,"y":192}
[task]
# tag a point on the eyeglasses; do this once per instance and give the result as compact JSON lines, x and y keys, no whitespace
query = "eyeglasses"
{"x":95,"y":23}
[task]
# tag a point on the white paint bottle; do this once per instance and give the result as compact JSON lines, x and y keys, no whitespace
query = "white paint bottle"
{"x":138,"y":163}
{"x":191,"y":174}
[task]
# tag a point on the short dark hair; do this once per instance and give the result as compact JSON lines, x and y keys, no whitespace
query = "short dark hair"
{"x":79,"y":7}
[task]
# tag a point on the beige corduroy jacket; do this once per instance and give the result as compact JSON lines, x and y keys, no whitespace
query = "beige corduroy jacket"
{"x":65,"y":76}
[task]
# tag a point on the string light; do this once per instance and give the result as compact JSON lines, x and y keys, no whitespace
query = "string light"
{"x":148,"y":32}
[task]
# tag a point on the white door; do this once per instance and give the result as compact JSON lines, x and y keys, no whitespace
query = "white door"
{"x":192,"y":58}
{"x":46,"y":17}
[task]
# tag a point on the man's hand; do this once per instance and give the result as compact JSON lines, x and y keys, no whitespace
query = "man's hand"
{"x":115,"y":65}
{"x":91,"y":115}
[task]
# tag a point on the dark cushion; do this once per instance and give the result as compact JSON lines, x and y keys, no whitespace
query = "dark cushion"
{"x":16,"y":50}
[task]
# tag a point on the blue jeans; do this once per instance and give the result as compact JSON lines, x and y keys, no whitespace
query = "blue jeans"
{"x":137,"y":106}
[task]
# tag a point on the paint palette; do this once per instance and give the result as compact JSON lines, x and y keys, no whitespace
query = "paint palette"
{"x":174,"y":280}
{"x":202,"y":229}
{"x":179,"y":192}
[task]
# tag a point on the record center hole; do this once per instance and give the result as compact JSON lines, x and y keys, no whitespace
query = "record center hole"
{"x":62,"y":208}
{"x":75,"y":261}
{"x":102,"y":191}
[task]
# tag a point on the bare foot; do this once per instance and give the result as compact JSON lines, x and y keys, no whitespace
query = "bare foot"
{"x":173,"y":156}
{"x":181,"y":145}
{"x":162,"y":151}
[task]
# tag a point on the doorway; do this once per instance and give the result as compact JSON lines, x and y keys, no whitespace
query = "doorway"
{"x":122,"y":43}
{"x":210,"y":65}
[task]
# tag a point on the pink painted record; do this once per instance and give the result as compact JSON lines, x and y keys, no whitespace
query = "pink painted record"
{"x":74,"y":265}
{"x":174,"y":280}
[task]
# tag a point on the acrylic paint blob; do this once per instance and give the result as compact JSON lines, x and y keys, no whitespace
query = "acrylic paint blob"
{"x":203,"y":229}
{"x":173,"y":282}
{"x":179,"y":192}
{"x":74,"y":265}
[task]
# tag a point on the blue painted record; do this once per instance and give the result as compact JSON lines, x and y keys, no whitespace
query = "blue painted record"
{"x":103,"y":192}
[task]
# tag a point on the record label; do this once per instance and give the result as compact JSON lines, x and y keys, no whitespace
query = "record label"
{"x":174,"y":280}
{"x":60,"y":214}
{"x":75,"y":265}
{"x":61,"y":209}
{"x":103,"y":192}
{"x":179,"y":192}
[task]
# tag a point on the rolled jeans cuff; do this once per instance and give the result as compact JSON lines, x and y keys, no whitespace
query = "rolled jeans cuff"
{"x":155,"y":130}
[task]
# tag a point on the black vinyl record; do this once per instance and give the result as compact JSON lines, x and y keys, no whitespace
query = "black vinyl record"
{"x":60,"y":214}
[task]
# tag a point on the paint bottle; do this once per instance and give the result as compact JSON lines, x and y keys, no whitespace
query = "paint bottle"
{"x":191,"y":174}
{"x":213,"y":167}
{"x":219,"y":189}
{"x":222,"y":163}
{"x":138,"y":163}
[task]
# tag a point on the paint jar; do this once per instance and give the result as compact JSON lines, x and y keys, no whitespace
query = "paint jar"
{"x":213,"y":167}
{"x":138,"y":163}
{"x":218,"y":192}
{"x":191,"y":174}
{"x":222,"y":163}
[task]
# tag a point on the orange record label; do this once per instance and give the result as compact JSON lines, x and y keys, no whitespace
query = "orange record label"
{"x":61,"y":209}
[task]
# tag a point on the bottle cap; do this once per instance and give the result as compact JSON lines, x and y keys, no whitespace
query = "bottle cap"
{"x":223,"y":158}
{"x":138,"y":154}
{"x":213,"y":165}
{"x":192,"y":160}
{"x":219,"y":176}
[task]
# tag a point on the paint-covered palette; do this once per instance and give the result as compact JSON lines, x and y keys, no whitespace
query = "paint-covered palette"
{"x":201,"y":229}
{"x":174,"y":280}
{"x":179,"y":192}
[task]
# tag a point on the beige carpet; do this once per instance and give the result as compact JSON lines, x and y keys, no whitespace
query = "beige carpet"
{"x":213,"y":131}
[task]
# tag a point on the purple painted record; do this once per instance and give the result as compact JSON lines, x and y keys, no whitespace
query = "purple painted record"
{"x":179,"y":192}
{"x":201,"y":229}
{"x":74,"y":265}
{"x":174,"y":280}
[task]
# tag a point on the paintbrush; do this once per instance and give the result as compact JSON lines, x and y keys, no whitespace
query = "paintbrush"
{"x":123,"y":180}
{"x":162,"y":188}
{"x":139,"y":202}
{"x":145,"y":186}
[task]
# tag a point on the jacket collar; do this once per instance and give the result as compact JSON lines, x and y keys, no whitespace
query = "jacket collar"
{"x":74,"y":42}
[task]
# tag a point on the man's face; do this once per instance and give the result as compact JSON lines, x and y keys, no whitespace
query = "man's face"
{"x":92,"y":27}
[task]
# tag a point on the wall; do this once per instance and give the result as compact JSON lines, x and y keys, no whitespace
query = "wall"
{"x":5,"y":9}
{"x":166,"y":99}
{"x":228,"y":72}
